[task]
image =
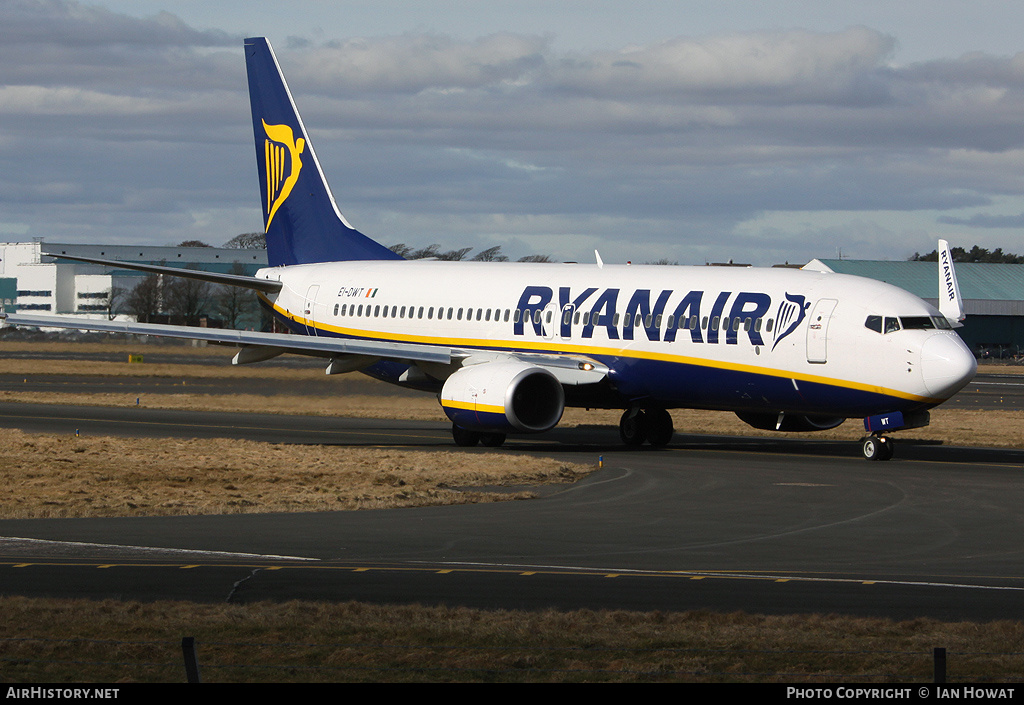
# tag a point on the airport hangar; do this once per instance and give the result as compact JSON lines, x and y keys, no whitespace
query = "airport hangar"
{"x":993,"y":293}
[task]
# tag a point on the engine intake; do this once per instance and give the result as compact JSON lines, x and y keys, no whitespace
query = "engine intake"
{"x":503,"y":396}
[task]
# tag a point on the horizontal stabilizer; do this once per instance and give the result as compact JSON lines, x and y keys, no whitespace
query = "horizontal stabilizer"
{"x":268,"y":286}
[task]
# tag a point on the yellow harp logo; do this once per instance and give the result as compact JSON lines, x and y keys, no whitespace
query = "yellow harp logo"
{"x":283,"y":165}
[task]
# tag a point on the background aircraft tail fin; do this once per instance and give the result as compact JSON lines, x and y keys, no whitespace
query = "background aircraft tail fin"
{"x":302,"y":220}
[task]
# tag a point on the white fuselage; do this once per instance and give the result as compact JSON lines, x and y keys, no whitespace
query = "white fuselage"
{"x":707,"y":337}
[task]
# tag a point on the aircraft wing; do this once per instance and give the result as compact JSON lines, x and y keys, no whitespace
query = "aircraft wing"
{"x":257,"y":346}
{"x":269,"y":343}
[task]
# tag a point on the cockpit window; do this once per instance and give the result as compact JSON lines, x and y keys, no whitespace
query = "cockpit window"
{"x":925,"y":322}
{"x":891,"y":324}
{"x":917,"y":322}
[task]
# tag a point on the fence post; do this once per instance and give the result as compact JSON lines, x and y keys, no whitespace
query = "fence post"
{"x":939,"y":657}
{"x":188,"y":650}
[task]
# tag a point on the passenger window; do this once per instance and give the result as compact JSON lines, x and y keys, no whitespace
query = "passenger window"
{"x":336,"y":308}
{"x":874,"y":323}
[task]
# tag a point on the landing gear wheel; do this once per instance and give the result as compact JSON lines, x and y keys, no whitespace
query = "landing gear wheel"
{"x":492,"y":440}
{"x":464,"y":438}
{"x":877,"y":447}
{"x":633,"y":427}
{"x":659,"y":427}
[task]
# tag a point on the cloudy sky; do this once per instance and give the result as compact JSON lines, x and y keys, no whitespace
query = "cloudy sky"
{"x":755,"y":131}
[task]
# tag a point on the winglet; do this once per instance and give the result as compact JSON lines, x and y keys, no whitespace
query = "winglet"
{"x":950,"y":304}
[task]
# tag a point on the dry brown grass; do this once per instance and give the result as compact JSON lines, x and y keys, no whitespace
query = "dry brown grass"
{"x":61,"y":476}
{"x":986,"y":428}
{"x":111,"y":642}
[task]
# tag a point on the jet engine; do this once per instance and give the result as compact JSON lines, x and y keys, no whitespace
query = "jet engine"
{"x":788,"y":422}
{"x":503,"y":396}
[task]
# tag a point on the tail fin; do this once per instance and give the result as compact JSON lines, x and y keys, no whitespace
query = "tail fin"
{"x":301,"y":218}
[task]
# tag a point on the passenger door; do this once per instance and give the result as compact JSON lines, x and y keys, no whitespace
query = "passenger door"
{"x":817,"y":330}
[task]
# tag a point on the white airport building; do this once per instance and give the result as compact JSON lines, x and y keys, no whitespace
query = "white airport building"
{"x":31,"y":281}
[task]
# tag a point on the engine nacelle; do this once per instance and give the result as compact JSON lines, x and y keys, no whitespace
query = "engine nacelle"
{"x":789,"y":422}
{"x":503,"y":396}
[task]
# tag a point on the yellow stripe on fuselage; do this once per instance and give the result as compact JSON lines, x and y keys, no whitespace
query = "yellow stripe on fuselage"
{"x":561,"y":347}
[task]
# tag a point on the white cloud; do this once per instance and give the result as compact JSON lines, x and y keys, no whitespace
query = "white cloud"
{"x":677,"y":142}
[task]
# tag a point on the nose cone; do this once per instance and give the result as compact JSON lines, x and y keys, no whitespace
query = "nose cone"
{"x":946,"y":365}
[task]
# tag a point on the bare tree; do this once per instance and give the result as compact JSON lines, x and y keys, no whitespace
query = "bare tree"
{"x":114,"y":300}
{"x":234,"y":304}
{"x":247,"y":241}
{"x":455,"y":255}
{"x":144,"y":300}
{"x":187,"y":299}
{"x":491,"y":254}
{"x":401,"y":249}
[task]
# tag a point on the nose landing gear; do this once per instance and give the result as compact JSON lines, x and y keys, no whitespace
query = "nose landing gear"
{"x":877,"y":447}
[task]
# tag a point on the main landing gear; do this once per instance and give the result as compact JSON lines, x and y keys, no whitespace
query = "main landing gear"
{"x":652,"y":425}
{"x":468,"y":439}
{"x":877,"y":447}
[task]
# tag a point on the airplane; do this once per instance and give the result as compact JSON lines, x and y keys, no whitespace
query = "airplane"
{"x":506,"y":347}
